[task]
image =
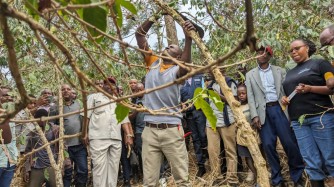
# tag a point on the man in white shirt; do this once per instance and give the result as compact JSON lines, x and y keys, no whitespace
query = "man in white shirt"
{"x":104,"y":135}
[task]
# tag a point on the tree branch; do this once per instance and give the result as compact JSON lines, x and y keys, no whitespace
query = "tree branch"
{"x":13,"y":65}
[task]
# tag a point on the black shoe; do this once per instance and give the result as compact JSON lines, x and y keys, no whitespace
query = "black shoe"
{"x":317,"y":183}
{"x":278,"y":185}
{"x":300,"y":183}
{"x":201,"y":171}
{"x":135,"y":178}
{"x":127,"y":183}
{"x":80,"y":185}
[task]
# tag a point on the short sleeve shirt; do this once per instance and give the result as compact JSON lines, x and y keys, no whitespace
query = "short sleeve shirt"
{"x":312,"y":73}
{"x":10,"y":148}
{"x":103,"y":123}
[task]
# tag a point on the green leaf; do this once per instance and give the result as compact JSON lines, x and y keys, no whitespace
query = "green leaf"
{"x":214,"y":96}
{"x":32,"y":6}
{"x":129,"y":6}
{"x":208,"y":112}
{"x":198,"y":91}
{"x":47,"y":127}
{"x":243,"y":78}
{"x":22,"y":140}
{"x":121,"y":112}
{"x":66,"y":155}
{"x":301,"y":119}
{"x":96,"y":16}
{"x":46,"y":174}
{"x":118,"y":12}
{"x":80,"y":1}
{"x":32,"y":77}
{"x":63,"y":2}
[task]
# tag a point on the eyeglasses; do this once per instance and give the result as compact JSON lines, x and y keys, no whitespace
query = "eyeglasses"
{"x":296,"y":48}
{"x":329,"y":41}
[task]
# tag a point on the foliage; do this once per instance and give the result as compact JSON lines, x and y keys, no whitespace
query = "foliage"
{"x":200,"y":101}
{"x":121,"y":112}
{"x":277,"y":23}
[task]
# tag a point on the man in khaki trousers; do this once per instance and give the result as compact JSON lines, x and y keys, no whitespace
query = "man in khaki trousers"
{"x":226,"y":130}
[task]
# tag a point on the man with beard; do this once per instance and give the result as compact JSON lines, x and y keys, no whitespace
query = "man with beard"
{"x":264,"y":93}
{"x":163,"y":134}
{"x":76,"y":149}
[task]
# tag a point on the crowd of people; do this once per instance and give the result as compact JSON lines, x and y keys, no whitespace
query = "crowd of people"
{"x":293,"y":107}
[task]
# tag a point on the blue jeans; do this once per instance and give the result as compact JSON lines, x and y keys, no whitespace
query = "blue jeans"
{"x":277,"y":125}
{"x":78,"y":156}
{"x":196,"y":122}
{"x":6,"y":175}
{"x":315,"y":138}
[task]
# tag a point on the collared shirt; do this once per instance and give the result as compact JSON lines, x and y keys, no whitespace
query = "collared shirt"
{"x":268,"y":82}
{"x":168,"y":97}
{"x":10,"y":148}
{"x":103,"y":123}
{"x":72,"y":123}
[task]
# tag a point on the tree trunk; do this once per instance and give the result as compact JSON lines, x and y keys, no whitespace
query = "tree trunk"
{"x":171,"y":30}
{"x":260,"y":164}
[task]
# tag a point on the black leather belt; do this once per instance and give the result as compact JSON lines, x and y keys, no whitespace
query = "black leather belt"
{"x":272,"y":103}
{"x":160,"y":125}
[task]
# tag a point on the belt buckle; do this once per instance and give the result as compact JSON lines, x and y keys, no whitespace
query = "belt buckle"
{"x":163,"y":126}
{"x":157,"y":126}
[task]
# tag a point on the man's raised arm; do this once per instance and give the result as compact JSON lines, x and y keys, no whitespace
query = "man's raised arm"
{"x":141,"y":33}
{"x":186,"y":54}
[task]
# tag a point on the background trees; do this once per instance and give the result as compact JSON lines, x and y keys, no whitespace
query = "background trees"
{"x":49,"y":42}
{"x":276,"y":24}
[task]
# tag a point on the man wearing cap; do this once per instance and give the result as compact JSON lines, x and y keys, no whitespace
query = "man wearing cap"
{"x":163,"y":134}
{"x":264,"y":91}
{"x":105,"y":137}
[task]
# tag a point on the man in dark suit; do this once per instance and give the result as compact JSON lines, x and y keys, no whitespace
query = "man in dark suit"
{"x":264,"y":87}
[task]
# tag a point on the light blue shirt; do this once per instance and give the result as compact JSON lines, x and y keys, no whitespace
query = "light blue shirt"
{"x":268,"y":82}
{"x":11,"y":148}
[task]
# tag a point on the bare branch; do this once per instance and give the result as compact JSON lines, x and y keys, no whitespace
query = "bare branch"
{"x":73,"y":7}
{"x":119,"y":37}
{"x":216,"y":21}
{"x":13,"y":65}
